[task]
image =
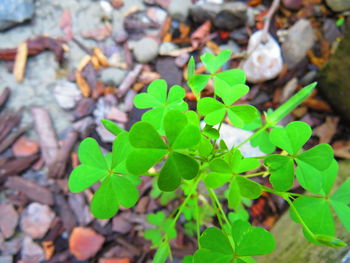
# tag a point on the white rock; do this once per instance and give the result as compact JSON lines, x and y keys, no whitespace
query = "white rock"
{"x":31,"y":252}
{"x":234,"y":136}
{"x":264,"y":61}
{"x":67,"y":94}
{"x":36,"y":220}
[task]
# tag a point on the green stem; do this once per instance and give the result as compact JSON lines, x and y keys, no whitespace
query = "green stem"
{"x":265,"y":127}
{"x":213,"y":194}
{"x":197,"y":219}
{"x":219,"y":133}
{"x":307,"y":229}
{"x":182,"y":206}
{"x":216,"y":209}
{"x":255,"y":174}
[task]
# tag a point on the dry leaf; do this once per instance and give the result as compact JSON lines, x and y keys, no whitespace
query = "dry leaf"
{"x":327,"y":130}
{"x":201,"y":35}
{"x":49,"y":249}
{"x":20,"y":62}
{"x":214,"y":47}
{"x":83,"y":85}
{"x":101,"y":57}
{"x":342,"y":149}
{"x":317,"y":104}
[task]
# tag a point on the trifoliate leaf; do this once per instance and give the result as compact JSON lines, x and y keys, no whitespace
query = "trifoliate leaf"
{"x":149,"y":148}
{"x":198,"y":82}
{"x":282,"y":171}
{"x":316,"y":214}
{"x":248,"y":188}
{"x":251,"y":241}
{"x":262,"y":140}
{"x":157,"y":99}
{"x":84,"y":176}
{"x":205,"y":147}
{"x":93,"y":166}
{"x":214,"y":247}
{"x":89,"y":153}
{"x":229,"y":94}
{"x":343,"y":193}
{"x":292,"y":137}
{"x":232,"y":77}
{"x":211,"y":132}
{"x":220,"y":165}
{"x":177,"y":166}
{"x":162,"y":253}
{"x":156,"y":219}
{"x":245,"y":117}
{"x":343,"y":212}
{"x":179,"y":133}
{"x":105,"y":203}
{"x":319,"y":157}
{"x":120,"y":152}
{"x":153,"y":235}
{"x":215,"y":180}
{"x":213,"y":110}
{"x":213,"y":63}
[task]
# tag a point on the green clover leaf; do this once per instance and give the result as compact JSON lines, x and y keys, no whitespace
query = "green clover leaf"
{"x":340,"y":201}
{"x":214,"y":247}
{"x":212,"y":63}
{"x":160,"y":102}
{"x":262,"y":140}
{"x":292,"y":137}
{"x":251,"y":241}
{"x":149,"y":149}
{"x":310,"y":164}
{"x":163,"y":226}
{"x":224,"y":169}
{"x":316,"y":214}
{"x":117,"y":189}
{"x":242,"y":116}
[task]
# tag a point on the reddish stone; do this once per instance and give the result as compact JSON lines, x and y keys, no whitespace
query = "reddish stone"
{"x":84,"y":243}
{"x":25,"y":147}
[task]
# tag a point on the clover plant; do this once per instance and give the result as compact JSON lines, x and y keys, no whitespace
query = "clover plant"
{"x":188,"y":161}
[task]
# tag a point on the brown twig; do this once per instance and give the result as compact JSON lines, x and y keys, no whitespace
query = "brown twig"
{"x":129,"y":80}
{"x":268,"y":18}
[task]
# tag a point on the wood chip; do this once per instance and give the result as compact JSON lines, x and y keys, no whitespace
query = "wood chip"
{"x":129,"y":80}
{"x":20,"y":62}
{"x":4,"y":96}
{"x":16,"y":166}
{"x":32,"y":190}
{"x":82,"y":84}
{"x":46,"y":133}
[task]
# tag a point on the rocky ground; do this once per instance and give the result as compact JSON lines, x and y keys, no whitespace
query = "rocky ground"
{"x":67,"y":64}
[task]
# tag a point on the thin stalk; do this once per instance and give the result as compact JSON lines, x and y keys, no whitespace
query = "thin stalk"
{"x":265,"y":127}
{"x":255,"y":174}
{"x":197,"y":219}
{"x":212,"y":192}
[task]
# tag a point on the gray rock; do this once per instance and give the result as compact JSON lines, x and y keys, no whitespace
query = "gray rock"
{"x":202,"y":12}
{"x":113,"y":76}
{"x":339,"y":5}
{"x":179,"y":9}
{"x":6,"y":259}
{"x":13,"y":12}
{"x":331,"y":30}
{"x":146,"y":50}
{"x":299,"y":40}
{"x":231,"y":16}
